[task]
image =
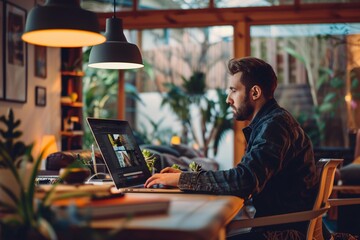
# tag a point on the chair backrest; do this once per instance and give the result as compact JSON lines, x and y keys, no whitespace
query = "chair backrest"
{"x":326,"y":168}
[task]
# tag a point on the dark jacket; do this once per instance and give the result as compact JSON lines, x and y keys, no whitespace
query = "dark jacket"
{"x":277,"y":171}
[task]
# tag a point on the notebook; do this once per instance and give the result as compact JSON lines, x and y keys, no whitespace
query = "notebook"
{"x":122,"y":155}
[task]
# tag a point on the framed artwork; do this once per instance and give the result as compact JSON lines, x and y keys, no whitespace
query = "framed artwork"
{"x":2,"y":49}
{"x":40,"y":61}
{"x":15,"y":83}
{"x":40,"y":96}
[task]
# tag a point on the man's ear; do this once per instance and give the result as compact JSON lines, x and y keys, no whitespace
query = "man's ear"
{"x":255,"y":92}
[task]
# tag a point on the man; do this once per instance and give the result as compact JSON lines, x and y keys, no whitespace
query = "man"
{"x":278,"y":170}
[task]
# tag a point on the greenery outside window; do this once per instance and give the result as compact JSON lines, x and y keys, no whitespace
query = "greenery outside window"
{"x":316,"y":66}
{"x":172,"y":4}
{"x":251,"y":3}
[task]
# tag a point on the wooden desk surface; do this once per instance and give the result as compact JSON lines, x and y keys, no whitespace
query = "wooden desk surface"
{"x":190,"y":217}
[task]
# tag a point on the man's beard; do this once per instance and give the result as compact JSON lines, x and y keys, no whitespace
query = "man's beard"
{"x":244,"y":111}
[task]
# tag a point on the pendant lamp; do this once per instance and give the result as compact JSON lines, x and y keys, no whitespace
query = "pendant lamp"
{"x":116,"y":52}
{"x":62,"y":23}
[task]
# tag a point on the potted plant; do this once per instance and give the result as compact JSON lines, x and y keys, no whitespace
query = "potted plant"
{"x":22,"y":216}
{"x":12,"y":150}
{"x":18,"y":169}
{"x":215,"y":115}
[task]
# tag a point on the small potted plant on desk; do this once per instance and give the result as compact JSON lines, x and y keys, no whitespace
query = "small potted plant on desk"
{"x":150,"y":159}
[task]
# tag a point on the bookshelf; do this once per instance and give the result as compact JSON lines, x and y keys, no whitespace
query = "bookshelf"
{"x":71,"y":99}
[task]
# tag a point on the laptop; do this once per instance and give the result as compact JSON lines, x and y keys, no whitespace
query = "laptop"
{"x":122,"y":155}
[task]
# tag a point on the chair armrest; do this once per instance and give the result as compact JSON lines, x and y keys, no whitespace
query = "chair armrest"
{"x":343,"y":201}
{"x":277,"y":219}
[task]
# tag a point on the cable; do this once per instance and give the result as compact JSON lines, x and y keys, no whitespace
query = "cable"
{"x":106,"y":179}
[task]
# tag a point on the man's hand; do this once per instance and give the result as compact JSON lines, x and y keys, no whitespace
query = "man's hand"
{"x":170,"y":170}
{"x":168,"y":176}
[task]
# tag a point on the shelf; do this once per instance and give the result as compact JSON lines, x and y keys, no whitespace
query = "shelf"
{"x":74,"y":133}
{"x":73,"y":73}
{"x":71,"y":99}
{"x":72,"y":104}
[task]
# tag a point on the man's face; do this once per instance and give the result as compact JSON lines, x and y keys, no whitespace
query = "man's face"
{"x":239,"y":100}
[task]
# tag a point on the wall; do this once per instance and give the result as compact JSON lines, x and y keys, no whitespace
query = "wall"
{"x":38,"y":121}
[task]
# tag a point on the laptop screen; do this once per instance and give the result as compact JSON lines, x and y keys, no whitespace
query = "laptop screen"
{"x":120,"y":151}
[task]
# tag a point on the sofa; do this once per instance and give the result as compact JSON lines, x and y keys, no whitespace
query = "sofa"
{"x":181,"y":155}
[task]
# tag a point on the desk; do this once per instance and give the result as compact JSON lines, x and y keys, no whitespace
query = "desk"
{"x":190,"y":217}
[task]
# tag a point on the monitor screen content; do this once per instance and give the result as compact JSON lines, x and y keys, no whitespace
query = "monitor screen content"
{"x":120,"y":151}
{"x":124,"y":150}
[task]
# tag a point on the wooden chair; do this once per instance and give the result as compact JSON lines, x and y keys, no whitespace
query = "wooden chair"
{"x":348,"y":193}
{"x":326,"y":168}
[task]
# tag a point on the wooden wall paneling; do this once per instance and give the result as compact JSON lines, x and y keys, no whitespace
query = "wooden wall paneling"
{"x":290,"y":14}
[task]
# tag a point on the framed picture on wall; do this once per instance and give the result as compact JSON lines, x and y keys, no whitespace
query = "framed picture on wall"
{"x":2,"y":49}
{"x":40,"y":61}
{"x":15,"y":83}
{"x":40,"y":96}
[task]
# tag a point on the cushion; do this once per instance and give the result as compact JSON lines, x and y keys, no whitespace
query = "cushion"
{"x":58,"y":160}
{"x":186,"y":151}
{"x":350,"y":174}
{"x":161,"y":149}
{"x":169,"y":160}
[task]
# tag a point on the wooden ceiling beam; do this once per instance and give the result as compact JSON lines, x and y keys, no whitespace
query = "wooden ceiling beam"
{"x":293,"y":14}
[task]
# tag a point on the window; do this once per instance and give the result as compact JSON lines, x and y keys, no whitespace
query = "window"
{"x":313,"y":62}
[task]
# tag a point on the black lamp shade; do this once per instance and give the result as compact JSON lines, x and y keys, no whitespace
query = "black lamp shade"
{"x":62,"y":23}
{"x":116,"y":52}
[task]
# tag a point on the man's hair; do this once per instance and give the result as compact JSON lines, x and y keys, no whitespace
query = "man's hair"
{"x":255,"y":72}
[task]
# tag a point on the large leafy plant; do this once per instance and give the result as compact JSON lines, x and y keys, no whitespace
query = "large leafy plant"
{"x":327,"y":91}
{"x":26,"y":216}
{"x":215,"y":115}
{"x":22,"y":216}
{"x":9,"y":136}
{"x":23,"y":219}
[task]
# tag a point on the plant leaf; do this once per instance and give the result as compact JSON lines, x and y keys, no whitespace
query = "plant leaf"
{"x":8,"y":207}
{"x":10,"y":193}
{"x":46,"y":230}
{"x":295,"y":54}
{"x":325,"y":107}
{"x":329,"y":97}
{"x":354,"y":83}
{"x":337,"y":82}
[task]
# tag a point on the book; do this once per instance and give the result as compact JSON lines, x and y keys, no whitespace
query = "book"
{"x":112,"y":206}
{"x":60,"y":189}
